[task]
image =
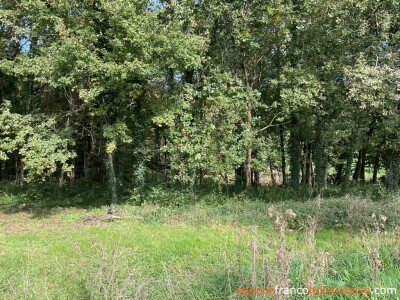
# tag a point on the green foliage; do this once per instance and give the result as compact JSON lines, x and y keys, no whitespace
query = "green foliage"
{"x":207,"y":128}
{"x":42,"y":146}
{"x":192,"y":94}
{"x":166,"y":197}
{"x":193,"y":91}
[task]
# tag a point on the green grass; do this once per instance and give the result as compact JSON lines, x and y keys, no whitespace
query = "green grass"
{"x":160,"y":253}
{"x":194,"y":251}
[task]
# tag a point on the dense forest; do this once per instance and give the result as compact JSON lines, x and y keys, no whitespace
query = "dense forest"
{"x":199,"y":149}
{"x":217,"y":93}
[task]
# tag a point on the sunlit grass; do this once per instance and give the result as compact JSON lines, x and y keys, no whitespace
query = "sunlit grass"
{"x":174,"y":253}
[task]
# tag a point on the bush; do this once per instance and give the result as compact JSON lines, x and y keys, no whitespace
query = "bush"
{"x":344,"y":212}
{"x":162,"y":196}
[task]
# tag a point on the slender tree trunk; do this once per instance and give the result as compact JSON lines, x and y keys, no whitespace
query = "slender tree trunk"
{"x":325,"y":181}
{"x":201,"y":176}
{"x":226,"y":180}
{"x":249,"y":120}
{"x":283,"y":157}
{"x":61,"y":179}
{"x":376,"y":167}
{"x":306,"y":171}
{"x":359,"y":172}
{"x":320,"y":159}
{"x":362,"y":171}
{"x":248,"y":168}
{"x":72,"y":175}
{"x":356,"y":173}
{"x":19,"y":170}
{"x":165,"y":160}
{"x":86,"y":157}
{"x":295,"y":155}
{"x":239,"y":175}
{"x":16,"y":169}
{"x":303,"y":166}
{"x":3,"y":170}
{"x":392,"y":171}
{"x":256,"y":178}
{"x":281,"y":132}
{"x":340,"y":168}
{"x":308,"y":166}
{"x":271,"y":169}
{"x":112,"y":181}
{"x":138,"y":137}
{"x":349,"y":162}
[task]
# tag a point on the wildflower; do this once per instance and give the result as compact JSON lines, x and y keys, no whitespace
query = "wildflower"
{"x":383,"y":218}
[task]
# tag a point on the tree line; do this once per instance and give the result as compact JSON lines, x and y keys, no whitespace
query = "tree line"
{"x":200,"y":91}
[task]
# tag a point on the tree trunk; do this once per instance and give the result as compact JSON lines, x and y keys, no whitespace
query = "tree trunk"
{"x":320,"y":159}
{"x":356,"y":174}
{"x":303,"y":166}
{"x":376,"y":167}
{"x":138,"y":137}
{"x":61,"y":179}
{"x":349,"y":162}
{"x":3,"y":170}
{"x":239,"y":175}
{"x":86,"y":157}
{"x":249,"y":120}
{"x":340,"y":168}
{"x":256,"y":178}
{"x":72,"y":175}
{"x":19,"y":170}
{"x":16,"y":169}
{"x":165,"y":160}
{"x":308,"y":166}
{"x":392,"y":171}
{"x":359,"y":172}
{"x":248,"y":169}
{"x":283,"y":158}
{"x":362,"y":171}
{"x":112,"y":181}
{"x":325,"y":180}
{"x":201,"y":176}
{"x":271,"y":169}
{"x":226,"y":181}
{"x":295,"y":155}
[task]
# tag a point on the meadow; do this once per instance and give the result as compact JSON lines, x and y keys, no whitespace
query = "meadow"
{"x":209,"y":247}
{"x":164,"y":150}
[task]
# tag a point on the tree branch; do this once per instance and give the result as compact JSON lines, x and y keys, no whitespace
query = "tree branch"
{"x":270,"y":123}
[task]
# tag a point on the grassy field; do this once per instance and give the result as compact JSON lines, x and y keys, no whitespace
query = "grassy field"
{"x":194,"y":251}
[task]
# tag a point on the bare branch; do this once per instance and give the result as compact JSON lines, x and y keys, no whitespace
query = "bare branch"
{"x":271,"y":123}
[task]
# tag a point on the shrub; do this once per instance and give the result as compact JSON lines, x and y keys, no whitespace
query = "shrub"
{"x":346,"y":212}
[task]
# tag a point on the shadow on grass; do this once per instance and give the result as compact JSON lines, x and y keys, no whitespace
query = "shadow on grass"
{"x":46,"y":199}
